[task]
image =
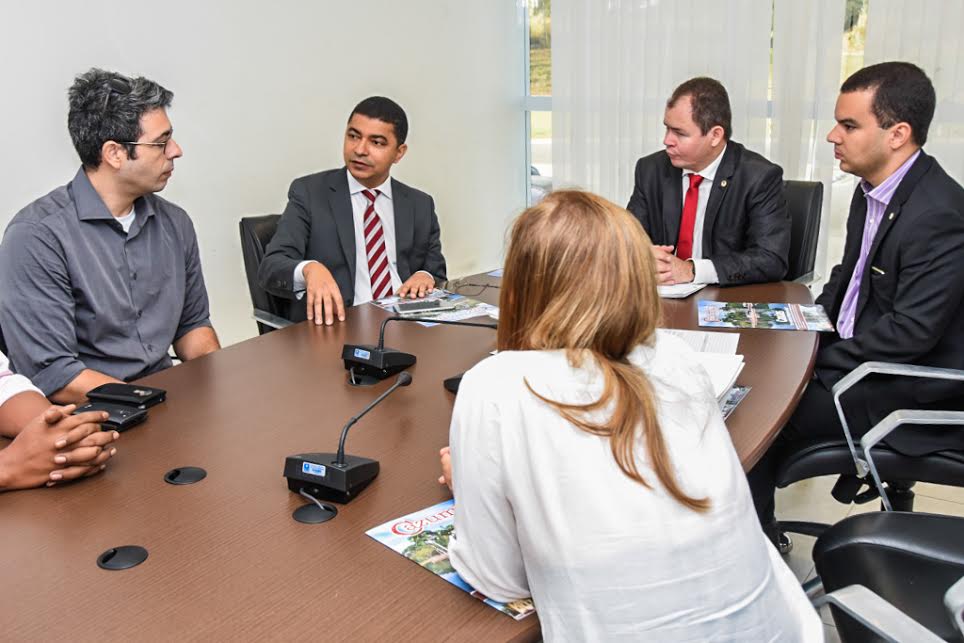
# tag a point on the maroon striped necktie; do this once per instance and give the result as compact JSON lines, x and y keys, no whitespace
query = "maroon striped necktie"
{"x":378,"y":272}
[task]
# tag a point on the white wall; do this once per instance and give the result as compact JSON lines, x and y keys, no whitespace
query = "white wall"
{"x":262,"y":92}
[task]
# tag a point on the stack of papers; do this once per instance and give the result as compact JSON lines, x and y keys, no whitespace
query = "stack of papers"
{"x":704,"y":342}
{"x":716,"y":352}
{"x":722,"y":369}
{"x":679,"y":291}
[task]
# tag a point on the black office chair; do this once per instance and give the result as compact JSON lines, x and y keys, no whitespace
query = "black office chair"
{"x":888,"y":474}
{"x":804,"y":203}
{"x":256,"y":232}
{"x":900,"y":561}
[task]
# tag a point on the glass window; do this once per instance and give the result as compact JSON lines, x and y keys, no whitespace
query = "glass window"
{"x":538,"y":99}
{"x":540,"y":155}
{"x":540,"y":48}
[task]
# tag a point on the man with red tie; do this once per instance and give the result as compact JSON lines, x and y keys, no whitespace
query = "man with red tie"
{"x":714,"y":210}
{"x":354,"y":234}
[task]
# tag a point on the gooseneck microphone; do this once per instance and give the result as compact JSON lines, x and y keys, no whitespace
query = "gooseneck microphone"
{"x":336,"y":476}
{"x":367,"y":364}
{"x":404,"y":379}
{"x":381,"y":330}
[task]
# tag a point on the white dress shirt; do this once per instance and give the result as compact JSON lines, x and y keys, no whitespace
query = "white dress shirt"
{"x":542,"y":509}
{"x":385,"y":210}
{"x":704,"y":272}
{"x":12,"y":384}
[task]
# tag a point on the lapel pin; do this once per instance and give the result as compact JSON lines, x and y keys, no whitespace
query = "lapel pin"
{"x":723,"y":183}
{"x":890,"y":217}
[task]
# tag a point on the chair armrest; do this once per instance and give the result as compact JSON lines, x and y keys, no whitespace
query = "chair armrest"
{"x":877,"y":615}
{"x":268,"y":319}
{"x":887,"y":426}
{"x":882,"y":368}
{"x":954,"y":602}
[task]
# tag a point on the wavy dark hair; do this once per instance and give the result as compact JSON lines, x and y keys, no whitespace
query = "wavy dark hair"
{"x":107,"y":106}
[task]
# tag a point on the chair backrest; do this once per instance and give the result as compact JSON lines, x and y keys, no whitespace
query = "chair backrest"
{"x":804,"y":203}
{"x":256,"y":232}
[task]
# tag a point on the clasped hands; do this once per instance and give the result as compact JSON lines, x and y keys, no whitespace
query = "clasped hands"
{"x":324,"y":301}
{"x":670,"y":269}
{"x":57,"y":447}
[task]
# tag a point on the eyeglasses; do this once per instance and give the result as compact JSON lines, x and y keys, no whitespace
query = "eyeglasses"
{"x":162,"y":145}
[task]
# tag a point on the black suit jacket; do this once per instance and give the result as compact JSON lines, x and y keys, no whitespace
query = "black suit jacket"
{"x":318,"y":224}
{"x":910,"y":307}
{"x":746,"y":229}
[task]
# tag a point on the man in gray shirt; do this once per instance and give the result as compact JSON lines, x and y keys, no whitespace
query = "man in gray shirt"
{"x":101,"y":276}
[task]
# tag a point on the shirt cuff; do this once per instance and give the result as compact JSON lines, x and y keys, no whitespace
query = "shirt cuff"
{"x":58,"y":374}
{"x":298,"y":279}
{"x":704,"y":272}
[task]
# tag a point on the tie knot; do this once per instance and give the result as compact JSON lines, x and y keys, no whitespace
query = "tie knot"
{"x":695,"y":180}
{"x":371,"y":195}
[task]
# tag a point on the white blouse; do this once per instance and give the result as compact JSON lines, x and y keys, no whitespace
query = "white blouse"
{"x":543,"y":510}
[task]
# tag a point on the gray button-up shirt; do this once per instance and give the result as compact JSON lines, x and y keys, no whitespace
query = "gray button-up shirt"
{"x":77,"y":292}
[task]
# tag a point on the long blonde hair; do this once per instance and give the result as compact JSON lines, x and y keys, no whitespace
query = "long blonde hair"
{"x":579,"y":275}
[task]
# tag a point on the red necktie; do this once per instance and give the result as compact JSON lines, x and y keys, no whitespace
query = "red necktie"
{"x":684,"y":246}
{"x":378,"y":272}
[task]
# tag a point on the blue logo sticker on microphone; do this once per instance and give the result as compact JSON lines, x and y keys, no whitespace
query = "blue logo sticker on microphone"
{"x":362,"y":354}
{"x":313,"y":469}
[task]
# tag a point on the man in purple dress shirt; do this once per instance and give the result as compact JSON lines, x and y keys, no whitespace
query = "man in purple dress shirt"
{"x":898,"y":293}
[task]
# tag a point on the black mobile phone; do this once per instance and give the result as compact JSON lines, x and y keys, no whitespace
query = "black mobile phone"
{"x":135,"y":395}
{"x":119,"y":417}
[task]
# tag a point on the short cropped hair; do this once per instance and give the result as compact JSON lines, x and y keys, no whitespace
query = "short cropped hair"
{"x":386,"y":110}
{"x":902,"y":94}
{"x":107,"y":106}
{"x":711,"y":104}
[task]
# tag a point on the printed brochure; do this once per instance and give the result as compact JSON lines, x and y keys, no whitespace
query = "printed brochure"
{"x":423,"y":537}
{"x":458,"y":307}
{"x":732,"y":314}
{"x":732,"y":399}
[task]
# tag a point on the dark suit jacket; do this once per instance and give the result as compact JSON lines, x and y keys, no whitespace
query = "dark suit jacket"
{"x":746,"y":229}
{"x":318,"y":224}
{"x":910,"y":307}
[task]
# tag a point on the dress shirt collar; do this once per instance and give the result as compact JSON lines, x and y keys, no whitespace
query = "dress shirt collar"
{"x":91,"y":207}
{"x":709,"y":172}
{"x":884,"y":192}
{"x":354,"y":187}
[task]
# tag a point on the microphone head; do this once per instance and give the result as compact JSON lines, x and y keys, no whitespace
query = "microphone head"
{"x":404,"y":379}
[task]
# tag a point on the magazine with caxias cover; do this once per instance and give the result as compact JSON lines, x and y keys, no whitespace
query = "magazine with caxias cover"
{"x":423,"y":537}
{"x":734,"y":314}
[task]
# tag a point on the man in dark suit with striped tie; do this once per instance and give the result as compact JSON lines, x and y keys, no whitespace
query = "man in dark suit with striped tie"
{"x":354,"y":234}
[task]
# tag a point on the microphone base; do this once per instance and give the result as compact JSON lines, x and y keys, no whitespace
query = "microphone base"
{"x":312,"y":514}
{"x":451,"y":384}
{"x":317,"y":475}
{"x":366,"y":361}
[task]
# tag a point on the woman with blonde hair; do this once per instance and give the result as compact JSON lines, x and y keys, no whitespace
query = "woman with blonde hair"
{"x":589,"y":462}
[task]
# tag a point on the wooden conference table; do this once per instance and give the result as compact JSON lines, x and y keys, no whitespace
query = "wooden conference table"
{"x":227,"y":560}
